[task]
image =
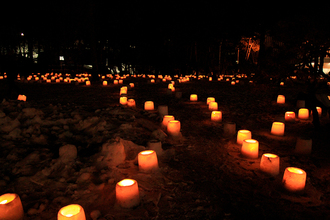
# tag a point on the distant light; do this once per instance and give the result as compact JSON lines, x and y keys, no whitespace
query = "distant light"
{"x":22,"y":34}
{"x":61,"y":57}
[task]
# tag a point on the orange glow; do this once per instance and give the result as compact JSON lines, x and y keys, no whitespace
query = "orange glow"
{"x":280,"y":99}
{"x":11,"y":207}
{"x":105,"y":83}
{"x":127,"y":193}
{"x":193,"y":97}
{"x":131,"y":85}
{"x":216,"y":116}
{"x":303,"y":113}
{"x":123,"y":100}
{"x":149,"y":106}
{"x":73,"y":211}
{"x":147,"y":161}
{"x":242,"y":135}
{"x":173,"y":128}
{"x":294,"y":179}
{"x":131,"y":103}
{"x":21,"y":98}
{"x":88,"y":83}
{"x":210,"y":99}
{"x":166,"y":119}
{"x":290,"y":116}
{"x":278,"y":128}
{"x":123,"y":90}
{"x":250,"y":148}
{"x":213,"y":106}
{"x":115,"y":82}
{"x":319,"y":111}
{"x":270,"y":163}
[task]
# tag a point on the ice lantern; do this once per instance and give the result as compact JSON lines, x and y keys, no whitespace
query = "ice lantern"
{"x":147,"y":161}
{"x":280,"y":99}
{"x":213,"y":106}
{"x":193,"y":97}
{"x":250,"y":148}
{"x":149,"y":106}
{"x":294,"y":179}
{"x":277,"y":129}
{"x":127,"y":193}
{"x":270,"y":164}
{"x":290,"y":116}
{"x":21,"y":98}
{"x":210,"y":99}
{"x":166,"y":119}
{"x":123,"y":100}
{"x":242,"y":135}
{"x":173,"y":128}
{"x":71,"y":212}
{"x":303,"y":113}
{"x":216,"y":116}
{"x":131,"y":103}
{"x":11,"y":207}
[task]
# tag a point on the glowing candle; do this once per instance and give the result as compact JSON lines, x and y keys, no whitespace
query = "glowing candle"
{"x":131,"y":85}
{"x":88,"y":83}
{"x":147,"y":161}
{"x":303,"y":146}
{"x":166,"y":119}
{"x":210,"y":99}
{"x":105,"y":83}
{"x":303,"y":113}
{"x":173,"y":128}
{"x":123,"y":100}
{"x":280,"y":99}
{"x":131,"y":103}
{"x":233,"y":82}
{"x":73,"y":211}
{"x":213,"y":106}
{"x":170,"y":86}
{"x":290,"y":116}
{"x":163,"y":110}
{"x":115,"y":82}
{"x":210,"y":78}
{"x":120,"y":81}
{"x":11,"y":207}
{"x":216,"y":116}
{"x":319,"y":111}
{"x":193,"y":97}
{"x":277,"y":129}
{"x":152,"y":81}
{"x":127,"y":193}
{"x":21,"y":98}
{"x":242,"y":135}
{"x":123,"y":90}
{"x":149,"y":106}
{"x":270,"y":163}
{"x":294,"y":179}
{"x":250,"y":148}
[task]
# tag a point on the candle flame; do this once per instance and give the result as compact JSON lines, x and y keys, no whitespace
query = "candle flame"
{"x":70,"y":210}
{"x":146,"y":152}
{"x":271,"y":155}
{"x":126,"y":182}
{"x":295,"y":170}
{"x":4,"y":201}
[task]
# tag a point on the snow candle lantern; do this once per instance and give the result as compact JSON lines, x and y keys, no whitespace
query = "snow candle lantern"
{"x":193,"y":97}
{"x":123,"y":100}
{"x":21,"y":98}
{"x":294,"y":179}
{"x":131,"y":85}
{"x":173,"y":128}
{"x":277,"y":129}
{"x":242,"y":135}
{"x":105,"y":83}
{"x":280,"y":99}
{"x":11,"y":207}
{"x":213,"y":106}
{"x":303,"y":113}
{"x":210,"y":99}
{"x":303,"y":146}
{"x":131,"y":103}
{"x":250,"y":148}
{"x":73,"y":211}
{"x":290,"y":116}
{"x":319,"y":111}
{"x":216,"y":116}
{"x":115,"y":82}
{"x":120,"y":81}
{"x":88,"y":83}
{"x":147,"y":161}
{"x":123,"y":90}
{"x":127,"y":193}
{"x":149,"y":106}
{"x":270,"y":164}
{"x":166,"y":119}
